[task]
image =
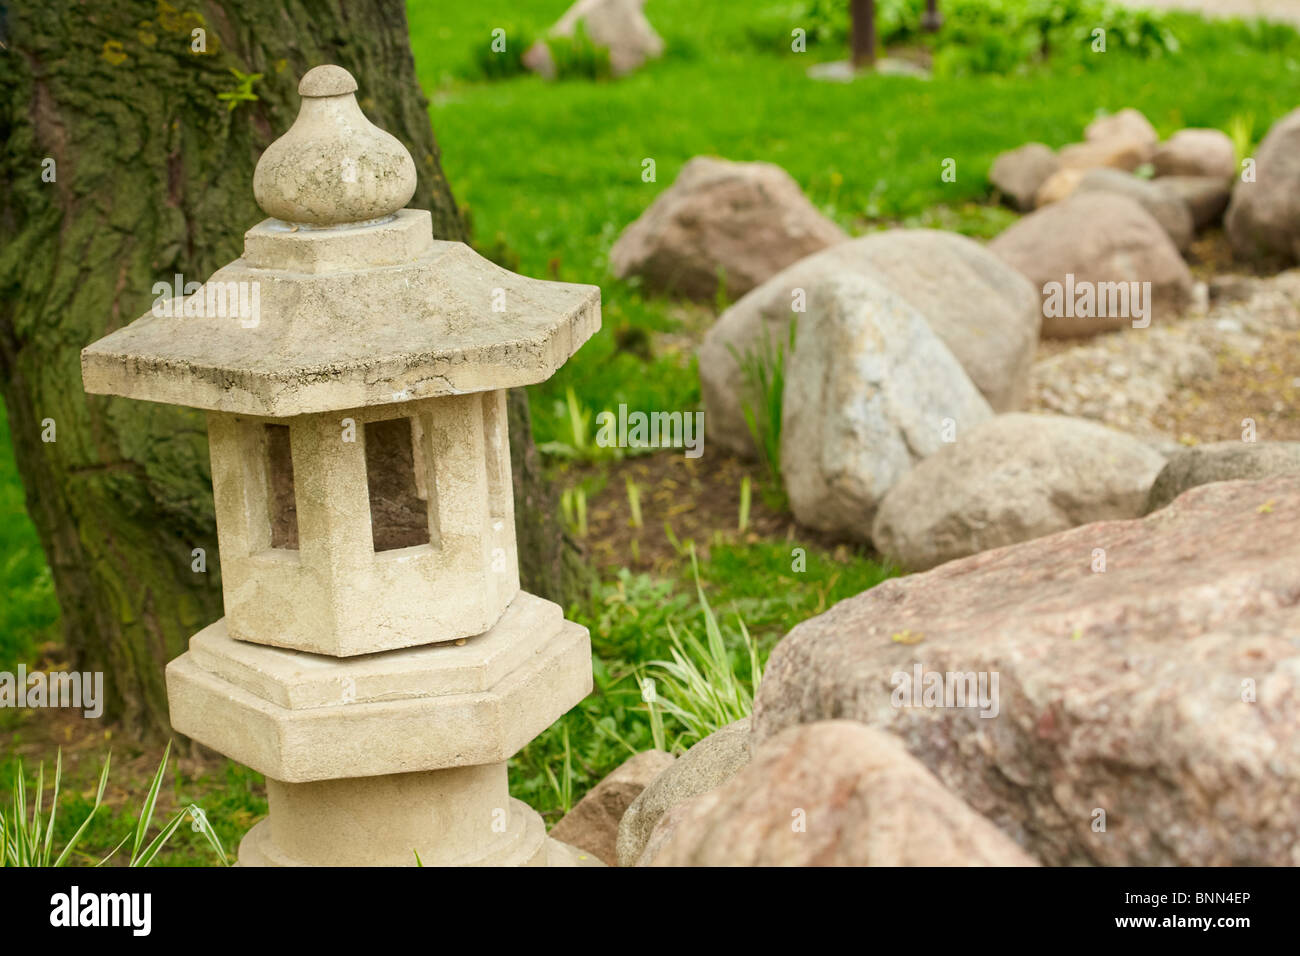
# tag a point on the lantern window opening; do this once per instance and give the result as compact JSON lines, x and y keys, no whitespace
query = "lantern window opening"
{"x":282,"y":504}
{"x":398,"y":479}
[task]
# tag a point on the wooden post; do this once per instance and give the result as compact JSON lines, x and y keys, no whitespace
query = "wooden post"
{"x":932,"y":19}
{"x":863,"y":14}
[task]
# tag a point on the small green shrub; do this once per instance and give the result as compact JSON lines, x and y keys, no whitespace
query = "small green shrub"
{"x":984,"y":36}
{"x":489,"y":63}
{"x":577,"y":57}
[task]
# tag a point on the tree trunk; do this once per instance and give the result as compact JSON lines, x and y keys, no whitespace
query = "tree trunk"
{"x":152,"y":177}
{"x":932,"y":19}
{"x":863,"y":14}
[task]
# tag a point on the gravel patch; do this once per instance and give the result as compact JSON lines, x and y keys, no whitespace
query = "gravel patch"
{"x":1191,"y":381}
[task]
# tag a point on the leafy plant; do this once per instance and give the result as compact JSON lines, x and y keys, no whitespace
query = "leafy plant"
{"x":742,"y":523}
{"x":31,"y":843}
{"x":704,"y":688}
{"x":1241,"y":130}
{"x":633,"y":502}
{"x":563,"y":785}
{"x":573,"y":505}
{"x":982,"y":36}
{"x":243,"y":92}
{"x":577,"y":57}
{"x":487,"y":62}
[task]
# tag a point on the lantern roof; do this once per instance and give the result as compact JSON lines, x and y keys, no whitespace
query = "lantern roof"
{"x":342,"y":299}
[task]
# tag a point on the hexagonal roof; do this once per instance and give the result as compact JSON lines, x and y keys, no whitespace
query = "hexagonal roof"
{"x":445,"y":323}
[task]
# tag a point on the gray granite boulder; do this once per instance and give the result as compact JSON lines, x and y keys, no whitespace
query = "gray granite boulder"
{"x":985,"y":312}
{"x":1009,"y":480}
{"x":869,"y":391}
{"x":1222,"y":461}
{"x":1263,"y":219}
{"x":708,"y":764}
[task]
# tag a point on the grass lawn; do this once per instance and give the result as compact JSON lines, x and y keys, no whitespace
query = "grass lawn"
{"x":550,"y":174}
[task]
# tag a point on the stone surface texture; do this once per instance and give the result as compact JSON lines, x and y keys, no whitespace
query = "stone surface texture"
{"x":1009,"y":480}
{"x":985,"y":313}
{"x":417,"y":318}
{"x":708,"y":764}
{"x":593,"y":823}
{"x":832,"y":793}
{"x":333,"y":166}
{"x":1165,"y":206}
{"x":620,"y":26}
{"x":1018,"y":173}
{"x":1206,"y":198}
{"x":299,"y":717}
{"x":1163,"y":691}
{"x":869,"y":391}
{"x":1197,"y":152}
{"x":744,"y":222}
{"x":1097,"y":238}
{"x":1127,"y":124}
{"x":1263,"y":219}
{"x":1222,"y":461}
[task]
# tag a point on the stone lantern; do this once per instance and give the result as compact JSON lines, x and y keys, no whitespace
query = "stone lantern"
{"x":377,"y":661}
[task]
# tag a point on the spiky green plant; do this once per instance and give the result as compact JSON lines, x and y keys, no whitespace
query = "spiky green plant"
{"x":701,"y":687}
{"x":26,"y":842}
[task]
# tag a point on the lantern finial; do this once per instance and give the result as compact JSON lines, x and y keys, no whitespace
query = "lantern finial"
{"x":333,"y":167}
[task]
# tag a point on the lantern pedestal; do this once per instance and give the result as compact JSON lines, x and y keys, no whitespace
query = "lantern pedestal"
{"x":457,"y":817}
{"x":370,"y":760}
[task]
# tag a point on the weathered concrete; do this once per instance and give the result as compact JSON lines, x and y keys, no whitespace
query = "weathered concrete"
{"x":378,"y":662}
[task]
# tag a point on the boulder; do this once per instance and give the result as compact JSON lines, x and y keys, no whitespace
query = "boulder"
{"x":1263,"y":220}
{"x":1018,"y":173}
{"x":592,"y":824}
{"x":984,"y":311}
{"x":1060,"y":185}
{"x":1121,"y":153}
{"x":869,"y":391}
{"x":1222,"y":461}
{"x":743,"y":222}
{"x":833,"y":793}
{"x":1206,"y":198}
{"x":1197,"y":152}
{"x":1145,"y":715}
{"x":1165,"y":206}
{"x":1012,"y":479}
{"x":1127,"y":124}
{"x":1094,"y":241}
{"x":707,"y":765}
{"x":617,"y":25}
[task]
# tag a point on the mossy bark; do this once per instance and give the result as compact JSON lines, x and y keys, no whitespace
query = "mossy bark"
{"x":124,"y":165}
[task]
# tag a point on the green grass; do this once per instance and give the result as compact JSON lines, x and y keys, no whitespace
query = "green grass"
{"x":28,"y":610}
{"x":98,"y":815}
{"x":750,"y":591}
{"x":552,"y":171}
